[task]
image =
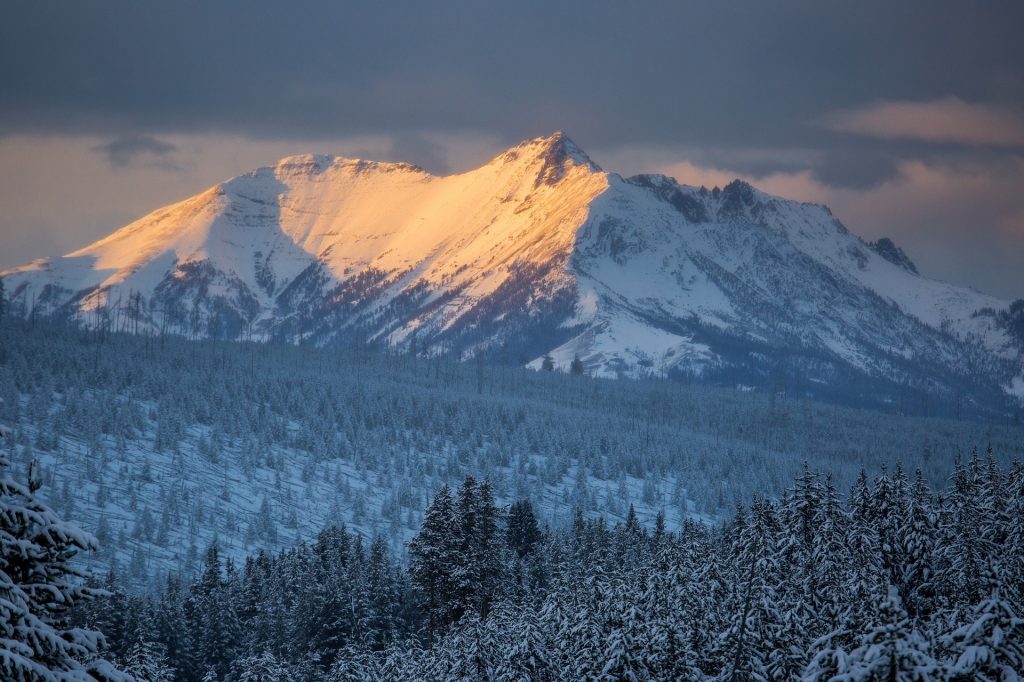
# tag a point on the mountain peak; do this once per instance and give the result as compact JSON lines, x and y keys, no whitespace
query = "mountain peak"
{"x":318,"y":162}
{"x":313,"y":164}
{"x":554,"y":151}
{"x":558,"y":144}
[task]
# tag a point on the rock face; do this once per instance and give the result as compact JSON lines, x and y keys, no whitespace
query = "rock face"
{"x":541,"y":252}
{"x":888,"y":250}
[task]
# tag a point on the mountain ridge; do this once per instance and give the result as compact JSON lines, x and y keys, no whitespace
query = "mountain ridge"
{"x":539,"y":252}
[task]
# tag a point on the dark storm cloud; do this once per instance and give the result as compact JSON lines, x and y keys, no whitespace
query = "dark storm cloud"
{"x":855,"y":168}
{"x":610,"y":72}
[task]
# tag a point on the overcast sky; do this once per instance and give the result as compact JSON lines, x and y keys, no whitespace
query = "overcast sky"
{"x":906,"y":118}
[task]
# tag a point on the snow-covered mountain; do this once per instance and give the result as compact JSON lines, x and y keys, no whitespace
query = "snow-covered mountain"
{"x":540,"y":251}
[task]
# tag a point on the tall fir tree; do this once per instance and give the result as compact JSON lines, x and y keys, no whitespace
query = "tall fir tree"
{"x":488,"y":550}
{"x":434,"y":560}
{"x":891,"y":651}
{"x":990,"y":645}
{"x":212,"y":615}
{"x":39,"y":584}
{"x":523,"y":533}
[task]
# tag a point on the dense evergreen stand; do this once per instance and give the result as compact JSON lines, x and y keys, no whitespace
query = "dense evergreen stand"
{"x":892,"y":582}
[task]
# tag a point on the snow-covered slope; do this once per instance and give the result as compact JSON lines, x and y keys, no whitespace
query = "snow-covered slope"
{"x":539,"y":251}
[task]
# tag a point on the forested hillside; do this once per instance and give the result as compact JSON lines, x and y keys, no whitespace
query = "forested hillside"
{"x":892,"y":581}
{"x":162,"y":446}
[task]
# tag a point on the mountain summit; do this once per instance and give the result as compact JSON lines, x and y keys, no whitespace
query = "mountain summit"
{"x":541,"y":252}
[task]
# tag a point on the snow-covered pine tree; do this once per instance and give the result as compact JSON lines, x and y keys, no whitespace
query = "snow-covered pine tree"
{"x":526,"y":657}
{"x":146,"y":662}
{"x":354,"y":664}
{"x":916,"y":537}
{"x":864,"y":545}
{"x":888,"y":495}
{"x":316,"y":604}
{"x":381,"y":596}
{"x":474,"y":648}
{"x":995,"y":495}
{"x":465,"y":571}
{"x":831,"y":561}
{"x":433,"y":558}
{"x":990,"y":646}
{"x":39,"y":583}
{"x":263,"y":667}
{"x":170,"y":626}
{"x":621,"y":658}
{"x":787,"y":655}
{"x":1013,"y":571}
{"x":212,"y":617}
{"x":522,"y":531}
{"x":487,"y":550}
{"x":576,"y":367}
{"x":892,"y":651}
{"x":402,"y":661}
{"x":111,"y":615}
{"x":749,"y":639}
{"x":801,"y":516}
{"x":328,"y":606}
{"x":966,"y":545}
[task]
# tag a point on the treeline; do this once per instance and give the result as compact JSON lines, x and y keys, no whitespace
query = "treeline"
{"x":893,"y":581}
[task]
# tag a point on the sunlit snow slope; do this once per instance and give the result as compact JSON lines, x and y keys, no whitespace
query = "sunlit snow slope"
{"x":540,"y":251}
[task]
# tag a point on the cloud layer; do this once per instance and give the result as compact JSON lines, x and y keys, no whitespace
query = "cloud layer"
{"x":130,"y":150}
{"x":945,"y":120}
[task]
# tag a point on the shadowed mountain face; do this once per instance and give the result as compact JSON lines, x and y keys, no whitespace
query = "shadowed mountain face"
{"x":541,"y":252}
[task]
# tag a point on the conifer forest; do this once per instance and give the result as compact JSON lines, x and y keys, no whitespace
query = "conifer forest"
{"x":198,"y":510}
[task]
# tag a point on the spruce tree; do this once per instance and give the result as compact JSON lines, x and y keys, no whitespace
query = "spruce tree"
{"x":146,"y":662}
{"x":213,"y":619}
{"x":171,"y":627}
{"x":434,"y":559}
{"x":750,"y":639}
{"x":966,"y":545}
{"x":355,"y":664}
{"x":487,"y":550}
{"x":916,"y":537}
{"x":39,"y":584}
{"x":522,"y":533}
{"x":1013,"y":571}
{"x":831,"y":561}
{"x":526,"y":658}
{"x":466,"y":567}
{"x":263,"y":667}
{"x":576,"y":367}
{"x":892,"y":651}
{"x":382,"y":596}
{"x":990,"y":646}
